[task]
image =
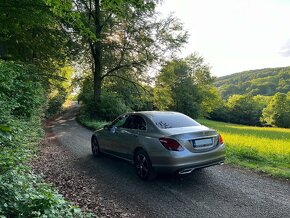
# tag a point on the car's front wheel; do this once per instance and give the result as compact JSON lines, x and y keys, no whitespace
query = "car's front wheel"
{"x":143,"y":166}
{"x":95,"y":146}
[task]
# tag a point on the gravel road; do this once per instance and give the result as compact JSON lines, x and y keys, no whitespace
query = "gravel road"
{"x":220,"y":191}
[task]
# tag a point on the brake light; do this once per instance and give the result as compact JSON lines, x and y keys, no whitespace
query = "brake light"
{"x":221,"y":139}
{"x":171,"y":144}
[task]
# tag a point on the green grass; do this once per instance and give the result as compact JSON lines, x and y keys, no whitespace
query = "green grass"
{"x":91,"y":124}
{"x":261,"y":148}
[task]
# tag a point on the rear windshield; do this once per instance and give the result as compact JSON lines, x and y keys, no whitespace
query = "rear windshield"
{"x":173,"y":120}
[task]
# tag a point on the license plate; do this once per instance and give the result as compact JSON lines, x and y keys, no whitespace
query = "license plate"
{"x":203,"y":142}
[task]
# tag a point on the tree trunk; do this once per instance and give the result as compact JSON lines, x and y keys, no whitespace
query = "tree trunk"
{"x":97,"y":55}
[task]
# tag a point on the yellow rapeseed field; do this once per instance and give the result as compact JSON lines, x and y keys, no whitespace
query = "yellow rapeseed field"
{"x":265,"y":149}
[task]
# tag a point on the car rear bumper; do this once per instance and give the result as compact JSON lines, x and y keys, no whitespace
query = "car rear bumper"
{"x":186,"y":161}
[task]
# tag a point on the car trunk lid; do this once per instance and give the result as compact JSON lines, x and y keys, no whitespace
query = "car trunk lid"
{"x":195,"y":139}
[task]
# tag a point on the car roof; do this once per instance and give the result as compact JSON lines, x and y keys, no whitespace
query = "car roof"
{"x":156,"y":113}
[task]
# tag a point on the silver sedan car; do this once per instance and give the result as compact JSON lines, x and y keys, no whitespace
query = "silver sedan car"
{"x":156,"y":141}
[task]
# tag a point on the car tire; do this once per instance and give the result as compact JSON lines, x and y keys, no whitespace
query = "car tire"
{"x":95,"y":147}
{"x":143,"y":166}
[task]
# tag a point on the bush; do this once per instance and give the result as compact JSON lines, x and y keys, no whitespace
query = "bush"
{"x":55,"y":102}
{"x":111,"y":106}
{"x":21,"y":90}
{"x":277,"y":112}
{"x":23,"y":194}
{"x":221,"y":113}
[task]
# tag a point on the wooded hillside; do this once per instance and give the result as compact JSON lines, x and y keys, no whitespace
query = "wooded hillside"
{"x":266,"y":81}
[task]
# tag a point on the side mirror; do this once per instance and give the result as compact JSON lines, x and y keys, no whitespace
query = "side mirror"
{"x":112,"y":129}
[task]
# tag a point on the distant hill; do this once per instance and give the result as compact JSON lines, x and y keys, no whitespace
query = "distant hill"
{"x":264,"y":82}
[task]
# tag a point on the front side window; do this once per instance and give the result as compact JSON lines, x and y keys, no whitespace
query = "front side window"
{"x":120,"y":121}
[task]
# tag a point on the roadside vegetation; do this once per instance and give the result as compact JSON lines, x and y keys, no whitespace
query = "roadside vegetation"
{"x":24,"y":194}
{"x":91,"y":124}
{"x":265,"y":149}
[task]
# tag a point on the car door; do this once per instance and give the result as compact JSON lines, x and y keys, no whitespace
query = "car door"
{"x":110,"y":136}
{"x":129,"y":136}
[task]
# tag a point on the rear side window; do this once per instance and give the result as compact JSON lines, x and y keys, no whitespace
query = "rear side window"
{"x":173,"y":120}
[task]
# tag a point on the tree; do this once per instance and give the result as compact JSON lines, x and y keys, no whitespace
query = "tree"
{"x":30,"y":32}
{"x":120,"y":36}
{"x":185,"y":85}
{"x":277,"y":112}
{"x":243,"y":109}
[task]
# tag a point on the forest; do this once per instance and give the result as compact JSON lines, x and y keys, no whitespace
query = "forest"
{"x":120,"y":56}
{"x":265,"y":82}
{"x":255,"y":97}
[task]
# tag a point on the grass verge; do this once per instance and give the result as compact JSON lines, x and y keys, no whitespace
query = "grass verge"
{"x":91,"y":124}
{"x":264,"y":149}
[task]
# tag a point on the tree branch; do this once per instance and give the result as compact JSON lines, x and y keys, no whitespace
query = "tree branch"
{"x":88,"y":8}
{"x":106,"y":20}
{"x":131,"y":81}
{"x":119,"y":66}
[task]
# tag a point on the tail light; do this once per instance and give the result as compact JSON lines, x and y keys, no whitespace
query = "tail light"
{"x":171,"y":144}
{"x":221,"y":139}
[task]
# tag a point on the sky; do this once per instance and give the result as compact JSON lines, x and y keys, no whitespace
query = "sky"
{"x":235,"y":35}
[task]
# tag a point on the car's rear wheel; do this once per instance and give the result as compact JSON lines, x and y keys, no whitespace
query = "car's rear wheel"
{"x":95,"y":147}
{"x":143,"y":166}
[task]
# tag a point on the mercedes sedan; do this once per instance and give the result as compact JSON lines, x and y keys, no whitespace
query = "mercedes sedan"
{"x":156,"y":141}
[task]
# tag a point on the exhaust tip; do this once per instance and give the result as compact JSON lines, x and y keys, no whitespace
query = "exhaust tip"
{"x":186,"y":171}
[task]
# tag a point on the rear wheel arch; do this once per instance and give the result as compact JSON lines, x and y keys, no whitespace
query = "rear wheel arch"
{"x":138,"y":149}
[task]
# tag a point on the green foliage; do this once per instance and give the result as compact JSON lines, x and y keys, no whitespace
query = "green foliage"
{"x":243,"y":109}
{"x":185,"y":86}
{"x":23,"y":194}
{"x":91,"y":123}
{"x":21,"y":90}
{"x":277,"y":112}
{"x":31,"y":33}
{"x":221,"y":112}
{"x":261,"y":148}
{"x":133,"y":91}
{"x":55,"y":102}
{"x":255,"y":82}
{"x":121,"y":36}
{"x":60,"y":89}
{"x":112,"y":105}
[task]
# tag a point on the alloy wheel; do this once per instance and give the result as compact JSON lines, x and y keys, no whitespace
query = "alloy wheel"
{"x":95,"y":147}
{"x":142,"y":166}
